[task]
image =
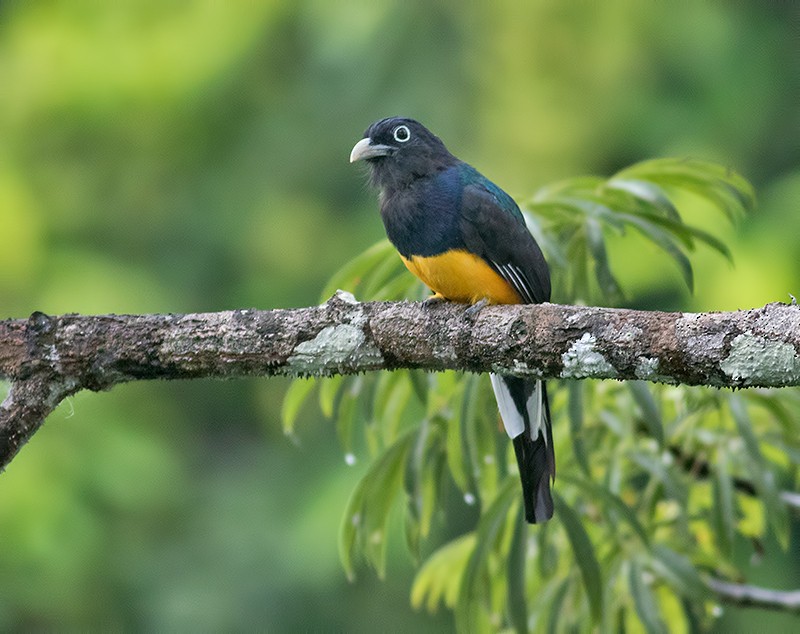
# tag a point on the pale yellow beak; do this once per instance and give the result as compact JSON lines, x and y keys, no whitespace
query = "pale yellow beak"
{"x":365,"y":149}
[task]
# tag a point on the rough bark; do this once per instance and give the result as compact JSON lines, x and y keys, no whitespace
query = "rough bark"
{"x":48,"y":358}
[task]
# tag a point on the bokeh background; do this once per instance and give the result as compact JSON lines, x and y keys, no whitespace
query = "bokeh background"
{"x":192,"y":156}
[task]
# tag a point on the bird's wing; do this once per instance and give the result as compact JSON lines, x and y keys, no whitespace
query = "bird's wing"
{"x":493,"y":227}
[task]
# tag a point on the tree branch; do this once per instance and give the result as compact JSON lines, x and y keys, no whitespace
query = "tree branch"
{"x":753,"y":596}
{"x":49,"y":358}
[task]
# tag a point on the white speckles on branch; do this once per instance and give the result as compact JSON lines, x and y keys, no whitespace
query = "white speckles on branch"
{"x":646,"y":367}
{"x":518,"y":368}
{"x":332,"y":348}
{"x":628,"y":333}
{"x":583,"y":360}
{"x":647,"y":370}
{"x":52,"y":354}
{"x":757,"y":361}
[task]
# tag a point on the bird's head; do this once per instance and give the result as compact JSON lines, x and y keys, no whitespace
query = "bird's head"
{"x":399,"y":150}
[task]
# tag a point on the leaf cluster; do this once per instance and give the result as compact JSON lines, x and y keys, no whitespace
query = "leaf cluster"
{"x":657,"y":486}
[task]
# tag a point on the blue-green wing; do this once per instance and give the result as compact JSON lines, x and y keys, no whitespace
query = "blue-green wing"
{"x":493,"y":227}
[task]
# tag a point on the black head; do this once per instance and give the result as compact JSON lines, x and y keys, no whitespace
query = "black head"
{"x":399,"y":151}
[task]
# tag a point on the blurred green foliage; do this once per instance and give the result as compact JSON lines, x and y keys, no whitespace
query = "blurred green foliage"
{"x":192,"y":156}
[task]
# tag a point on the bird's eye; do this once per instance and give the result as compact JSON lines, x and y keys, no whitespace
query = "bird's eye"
{"x":401,"y":133}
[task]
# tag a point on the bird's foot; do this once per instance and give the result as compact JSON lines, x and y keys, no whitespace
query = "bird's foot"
{"x":472,"y":311}
{"x":433,"y":300}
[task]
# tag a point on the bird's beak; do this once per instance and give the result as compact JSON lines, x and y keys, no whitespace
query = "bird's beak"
{"x":364,"y":149}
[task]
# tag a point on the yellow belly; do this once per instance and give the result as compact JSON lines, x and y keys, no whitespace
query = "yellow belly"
{"x":462,"y":277}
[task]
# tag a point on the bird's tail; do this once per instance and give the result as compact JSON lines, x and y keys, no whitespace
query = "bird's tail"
{"x":526,"y":416}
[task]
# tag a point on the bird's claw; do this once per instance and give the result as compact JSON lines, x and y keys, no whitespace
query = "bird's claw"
{"x":472,"y":311}
{"x":433,"y":300}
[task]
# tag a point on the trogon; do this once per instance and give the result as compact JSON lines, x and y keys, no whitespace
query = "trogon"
{"x":466,"y":239}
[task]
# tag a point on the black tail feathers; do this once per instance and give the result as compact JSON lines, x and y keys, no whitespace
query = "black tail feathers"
{"x":535,"y":479}
{"x":535,"y":456}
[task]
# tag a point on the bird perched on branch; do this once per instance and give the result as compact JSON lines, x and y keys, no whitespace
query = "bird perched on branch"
{"x":466,"y":239}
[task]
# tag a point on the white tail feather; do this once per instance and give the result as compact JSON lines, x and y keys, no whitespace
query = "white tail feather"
{"x":512,"y":419}
{"x":534,"y":406}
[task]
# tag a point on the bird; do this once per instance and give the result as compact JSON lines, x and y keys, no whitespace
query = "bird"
{"x":467,"y":240}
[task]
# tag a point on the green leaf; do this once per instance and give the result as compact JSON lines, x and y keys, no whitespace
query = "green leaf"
{"x":723,"y":517}
{"x":679,"y":572}
{"x":517,"y":555}
{"x":392,"y":394}
{"x":648,"y":192}
{"x":651,"y":416}
{"x":548,"y":550}
{"x":612,"y":505}
{"x":346,"y":417}
{"x":585,"y":556}
{"x":666,"y":243}
{"x":745,"y":428}
{"x":402,"y":286}
{"x":687,"y":234}
{"x":296,"y":395}
{"x":644,"y":601}
{"x":413,"y":474}
{"x":556,"y":616}
{"x":597,"y":247}
{"x":458,"y":453}
{"x":763,"y":477}
{"x":413,"y":534}
{"x":382,"y":276}
{"x":421,"y":384}
{"x":439,"y":578}
{"x":673,"y":487}
{"x":552,"y":249}
{"x":481,"y":435}
{"x":725,"y":188}
{"x":351,"y":274}
{"x":575,"y":413}
{"x":363,"y":531}
{"x":579,"y":267}
{"x":328,"y":390}
{"x":585,"y":183}
{"x":782,"y":405}
{"x":422,"y":474}
{"x":468,"y":613}
{"x":591,"y":207}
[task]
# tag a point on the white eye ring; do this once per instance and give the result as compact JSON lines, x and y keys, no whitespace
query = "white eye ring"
{"x":401,"y":133}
